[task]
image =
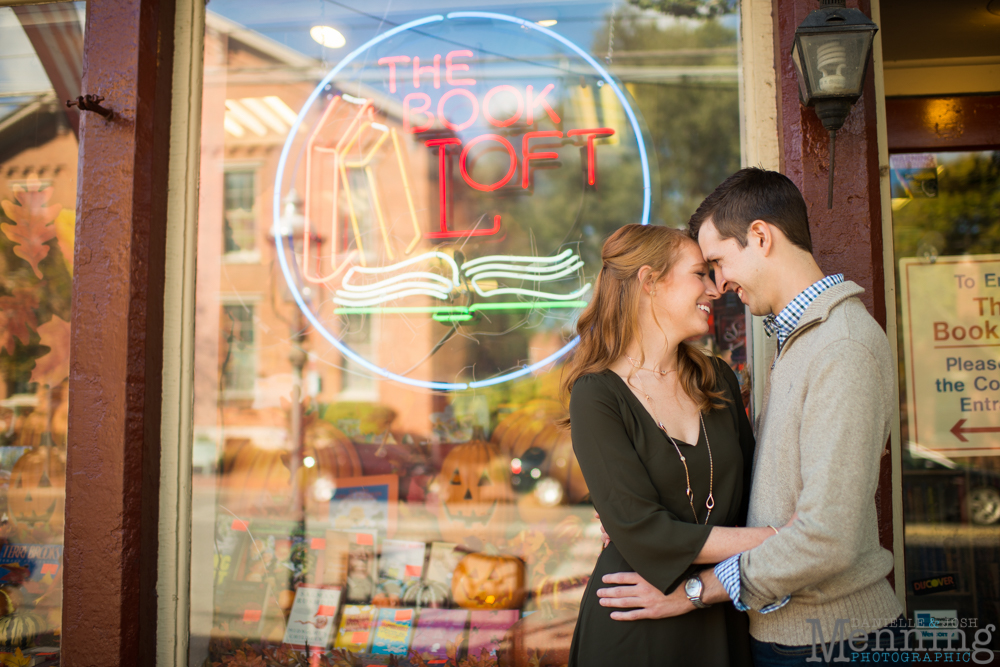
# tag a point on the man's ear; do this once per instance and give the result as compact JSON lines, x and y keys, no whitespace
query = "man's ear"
{"x":761,"y":235}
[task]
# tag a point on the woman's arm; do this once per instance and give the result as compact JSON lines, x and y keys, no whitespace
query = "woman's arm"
{"x":724,"y":542}
{"x":651,"y":539}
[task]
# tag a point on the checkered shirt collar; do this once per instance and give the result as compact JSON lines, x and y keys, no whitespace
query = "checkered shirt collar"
{"x":783,"y":324}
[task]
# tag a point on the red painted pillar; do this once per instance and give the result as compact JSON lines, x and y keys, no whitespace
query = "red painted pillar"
{"x":112,"y":487}
{"x":848,"y":238}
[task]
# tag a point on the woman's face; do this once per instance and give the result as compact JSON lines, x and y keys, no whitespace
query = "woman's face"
{"x":683,"y":298}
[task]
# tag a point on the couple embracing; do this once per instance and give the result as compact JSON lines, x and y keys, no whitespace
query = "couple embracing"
{"x":704,"y":523}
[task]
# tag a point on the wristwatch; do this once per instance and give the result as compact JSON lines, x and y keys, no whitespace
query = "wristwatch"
{"x":693,"y":589}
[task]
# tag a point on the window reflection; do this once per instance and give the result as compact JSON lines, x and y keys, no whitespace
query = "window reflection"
{"x":41,"y":51}
{"x":349,"y":512}
{"x":946,"y":234}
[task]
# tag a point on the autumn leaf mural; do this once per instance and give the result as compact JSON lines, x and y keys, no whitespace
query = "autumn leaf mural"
{"x":53,"y":368}
{"x":17,"y":318}
{"x":33,"y":218}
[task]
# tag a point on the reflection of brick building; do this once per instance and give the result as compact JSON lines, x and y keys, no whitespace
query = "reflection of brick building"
{"x":247,"y":87}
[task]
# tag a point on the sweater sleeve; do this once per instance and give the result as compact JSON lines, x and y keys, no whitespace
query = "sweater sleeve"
{"x":657,"y":545}
{"x":841,"y":439}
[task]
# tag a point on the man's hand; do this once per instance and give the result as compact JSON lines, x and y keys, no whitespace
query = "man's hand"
{"x":642,"y":598}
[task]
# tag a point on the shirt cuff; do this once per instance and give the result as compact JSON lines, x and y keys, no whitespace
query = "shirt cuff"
{"x":728,"y":574}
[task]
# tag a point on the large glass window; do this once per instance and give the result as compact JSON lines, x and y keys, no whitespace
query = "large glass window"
{"x":41,"y":50}
{"x":946,"y":228}
{"x":431,"y":188}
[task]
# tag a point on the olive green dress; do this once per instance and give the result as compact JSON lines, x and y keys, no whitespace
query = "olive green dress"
{"x":637,"y":484}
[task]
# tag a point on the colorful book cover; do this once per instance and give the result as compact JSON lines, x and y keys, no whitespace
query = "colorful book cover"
{"x":278,"y":552}
{"x":310,"y":623}
{"x":356,"y":625}
{"x":350,"y":562}
{"x":33,"y":566}
{"x":365,"y":503}
{"x":487,"y":630}
{"x":392,"y":632}
{"x":436,"y":630}
{"x":401,"y":561}
{"x":443,"y":560}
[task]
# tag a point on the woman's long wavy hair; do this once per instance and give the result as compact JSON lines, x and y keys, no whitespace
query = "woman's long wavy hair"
{"x":610,"y":323}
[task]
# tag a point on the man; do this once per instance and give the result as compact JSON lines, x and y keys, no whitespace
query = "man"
{"x":821,"y":433}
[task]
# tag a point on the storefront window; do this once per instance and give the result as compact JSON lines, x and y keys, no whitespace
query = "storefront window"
{"x":401,"y":218}
{"x":947,"y":240}
{"x":41,"y":50}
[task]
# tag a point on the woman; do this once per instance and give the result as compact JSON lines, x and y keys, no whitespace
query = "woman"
{"x":651,"y":417}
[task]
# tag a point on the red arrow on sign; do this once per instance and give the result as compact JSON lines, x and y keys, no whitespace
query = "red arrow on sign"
{"x":958,"y":431}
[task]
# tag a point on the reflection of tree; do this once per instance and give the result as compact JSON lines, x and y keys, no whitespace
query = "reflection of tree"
{"x":964,"y":218}
{"x":691,"y":130}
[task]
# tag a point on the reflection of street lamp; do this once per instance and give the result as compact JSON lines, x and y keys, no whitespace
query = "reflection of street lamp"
{"x":289,"y":229}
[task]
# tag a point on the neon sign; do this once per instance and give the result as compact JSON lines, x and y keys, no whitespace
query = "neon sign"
{"x":350,"y":149}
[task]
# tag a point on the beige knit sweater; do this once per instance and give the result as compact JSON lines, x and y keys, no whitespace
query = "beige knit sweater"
{"x":821,"y":433}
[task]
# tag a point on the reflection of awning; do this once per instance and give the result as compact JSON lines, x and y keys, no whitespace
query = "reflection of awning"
{"x":55,"y":34}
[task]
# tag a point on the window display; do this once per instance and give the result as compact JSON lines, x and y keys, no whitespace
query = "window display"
{"x":41,"y":52}
{"x":401,"y":215}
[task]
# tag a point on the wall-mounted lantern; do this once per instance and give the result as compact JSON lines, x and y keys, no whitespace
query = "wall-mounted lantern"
{"x":831,"y":52}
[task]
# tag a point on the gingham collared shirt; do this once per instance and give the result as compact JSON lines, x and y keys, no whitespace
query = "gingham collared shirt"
{"x":781,"y":325}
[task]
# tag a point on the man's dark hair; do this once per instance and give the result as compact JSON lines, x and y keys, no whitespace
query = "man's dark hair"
{"x":755,"y":194}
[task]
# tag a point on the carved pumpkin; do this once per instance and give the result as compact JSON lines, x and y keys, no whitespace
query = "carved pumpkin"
{"x":36,"y":495}
{"x":482,"y":581}
{"x":539,"y":640}
{"x":471,"y":496}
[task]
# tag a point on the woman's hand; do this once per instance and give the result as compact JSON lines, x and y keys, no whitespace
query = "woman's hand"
{"x":643,"y":600}
{"x":604,"y":534}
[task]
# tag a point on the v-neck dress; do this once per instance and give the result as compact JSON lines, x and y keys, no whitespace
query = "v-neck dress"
{"x":637,"y":484}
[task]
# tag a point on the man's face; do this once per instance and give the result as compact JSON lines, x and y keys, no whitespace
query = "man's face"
{"x":737,"y":268}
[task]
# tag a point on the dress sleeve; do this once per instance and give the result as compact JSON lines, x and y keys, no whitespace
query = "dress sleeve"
{"x":657,"y":545}
{"x":747,"y":441}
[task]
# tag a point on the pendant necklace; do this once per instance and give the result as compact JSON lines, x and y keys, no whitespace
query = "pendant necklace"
{"x":710,"y":501}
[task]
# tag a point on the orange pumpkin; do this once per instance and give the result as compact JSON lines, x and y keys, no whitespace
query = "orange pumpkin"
{"x":471,"y":496}
{"x":255,"y":481}
{"x":36,"y":495}
{"x":531,"y":433}
{"x":482,"y":581}
{"x":333,"y":455}
{"x":259,"y":481}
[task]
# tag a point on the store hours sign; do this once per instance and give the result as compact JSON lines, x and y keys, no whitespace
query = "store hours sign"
{"x":951,"y":334}
{"x":458,"y":174}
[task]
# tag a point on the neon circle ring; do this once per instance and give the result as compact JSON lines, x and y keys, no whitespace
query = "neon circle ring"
{"x":558,"y":265}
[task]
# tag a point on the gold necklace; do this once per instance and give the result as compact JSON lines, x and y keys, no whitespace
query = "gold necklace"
{"x":710,"y":501}
{"x":636,"y":365}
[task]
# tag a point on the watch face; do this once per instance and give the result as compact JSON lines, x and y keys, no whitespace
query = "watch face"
{"x":692,"y":587}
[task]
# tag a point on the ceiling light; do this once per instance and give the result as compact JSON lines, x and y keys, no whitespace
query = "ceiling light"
{"x":547,"y":23}
{"x":328,"y":36}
